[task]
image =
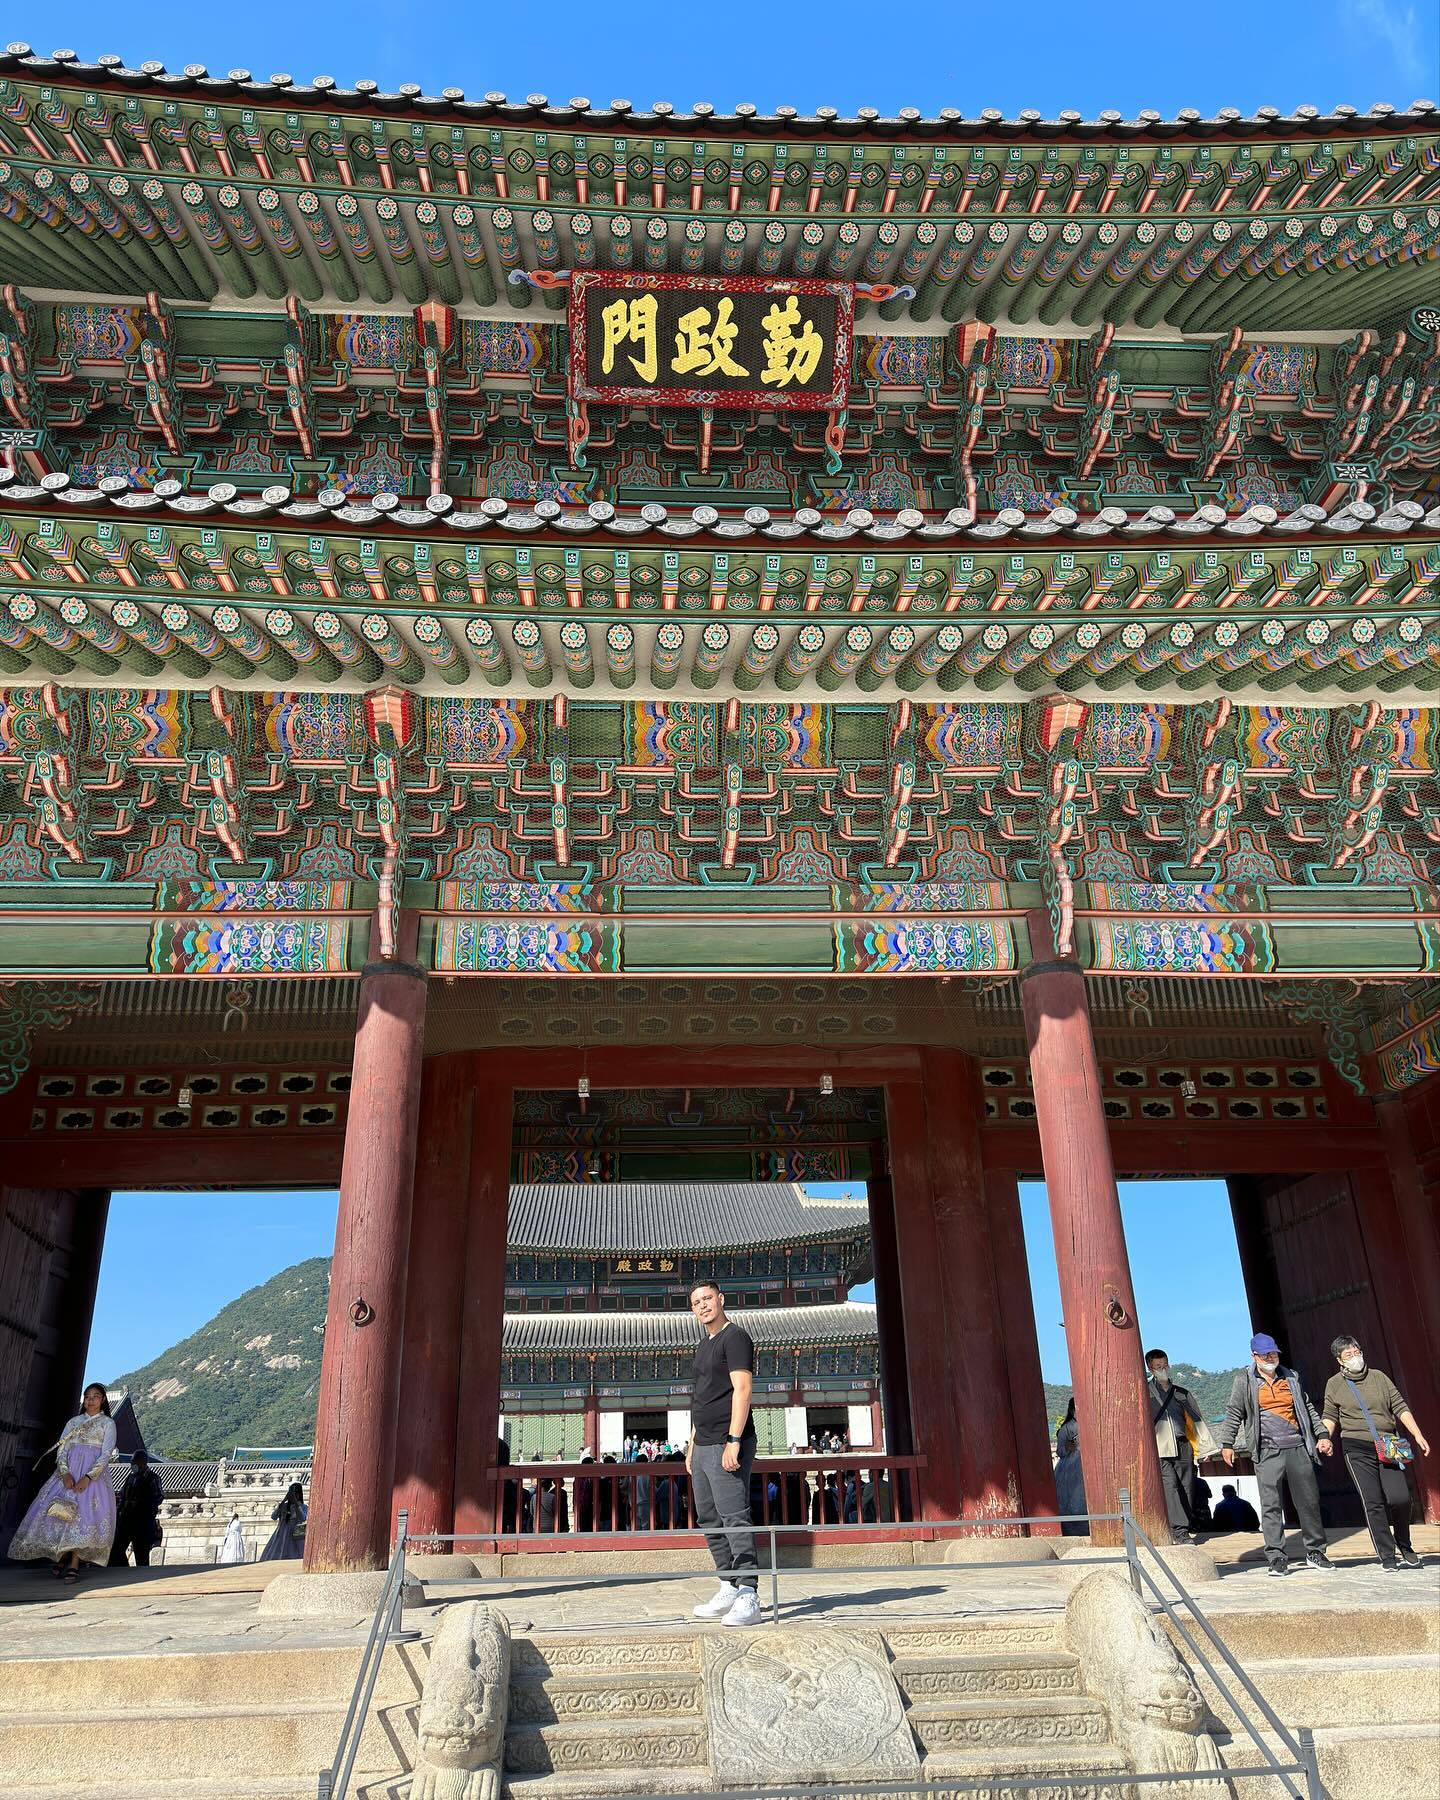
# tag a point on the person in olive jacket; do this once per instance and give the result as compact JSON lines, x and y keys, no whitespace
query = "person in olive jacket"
{"x":1363,"y":1403}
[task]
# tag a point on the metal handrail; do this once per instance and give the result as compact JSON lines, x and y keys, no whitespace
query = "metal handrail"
{"x":1301,"y":1746}
{"x":385,"y":1629}
{"x":334,"y":1781}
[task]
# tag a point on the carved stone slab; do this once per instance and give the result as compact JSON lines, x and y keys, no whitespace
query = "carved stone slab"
{"x":812,"y":1706}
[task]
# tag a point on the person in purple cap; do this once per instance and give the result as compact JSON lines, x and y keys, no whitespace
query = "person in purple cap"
{"x":1270,"y":1409}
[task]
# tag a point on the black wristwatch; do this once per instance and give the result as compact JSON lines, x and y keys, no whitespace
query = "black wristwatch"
{"x":733,"y":1440}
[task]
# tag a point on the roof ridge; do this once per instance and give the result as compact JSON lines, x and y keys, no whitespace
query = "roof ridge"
{"x":663,"y":116}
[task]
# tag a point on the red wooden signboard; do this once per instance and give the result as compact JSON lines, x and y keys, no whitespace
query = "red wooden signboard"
{"x":702,"y":340}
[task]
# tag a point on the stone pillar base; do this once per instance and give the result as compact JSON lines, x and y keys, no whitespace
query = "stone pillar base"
{"x":325,"y":1596}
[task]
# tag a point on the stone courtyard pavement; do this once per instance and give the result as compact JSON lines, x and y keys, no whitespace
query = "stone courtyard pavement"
{"x":170,"y":1611}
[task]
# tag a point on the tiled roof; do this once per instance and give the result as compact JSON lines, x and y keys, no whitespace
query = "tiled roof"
{"x":678,"y":1215}
{"x":849,"y":1322}
{"x":335,"y":507}
{"x":663,"y":115}
{"x":178,"y":1480}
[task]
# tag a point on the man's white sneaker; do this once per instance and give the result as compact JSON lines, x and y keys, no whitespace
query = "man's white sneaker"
{"x":745,"y":1611}
{"x":719,"y":1603}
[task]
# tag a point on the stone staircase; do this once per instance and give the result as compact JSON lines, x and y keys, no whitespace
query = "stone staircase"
{"x":606,"y":1715}
{"x":219,"y":1725}
{"x":1368,"y":1685}
{"x":992,"y":1699}
{"x":626,"y":1715}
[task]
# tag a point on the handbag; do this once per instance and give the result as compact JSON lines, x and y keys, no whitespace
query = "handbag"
{"x":65,"y":1509}
{"x":1390,"y":1447}
{"x":1202,"y":1439}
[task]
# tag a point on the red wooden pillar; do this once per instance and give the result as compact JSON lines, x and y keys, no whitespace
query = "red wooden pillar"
{"x":434,"y":1299}
{"x":1117,"y":1441}
{"x":1410,"y":1127}
{"x":350,"y":1491}
{"x":1022,"y":1348}
{"x":483,"y":1317}
{"x":922,"y":1288}
{"x":973,"y":1334}
{"x":592,"y":1423}
{"x":889,"y":1315}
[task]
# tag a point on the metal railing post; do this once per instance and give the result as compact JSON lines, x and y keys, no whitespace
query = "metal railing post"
{"x":402,"y":1529}
{"x":1311,"y":1762}
{"x":774,"y":1581}
{"x":1127,"y":1525}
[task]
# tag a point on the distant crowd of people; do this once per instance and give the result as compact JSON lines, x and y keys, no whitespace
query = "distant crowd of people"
{"x":661,"y":1500}
{"x":1271,"y":1418}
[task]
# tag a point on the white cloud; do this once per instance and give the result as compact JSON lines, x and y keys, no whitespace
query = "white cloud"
{"x":1395,"y":25}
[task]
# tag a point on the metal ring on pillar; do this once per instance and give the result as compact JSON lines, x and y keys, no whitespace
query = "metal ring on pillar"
{"x":361,"y":1311}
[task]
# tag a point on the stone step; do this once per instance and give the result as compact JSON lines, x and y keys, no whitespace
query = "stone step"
{"x":595,"y":1784}
{"x":626,"y":1745}
{"x":978,"y":1725}
{"x":590,"y":1654}
{"x":1338,"y":1691}
{"x":1408,"y":1626}
{"x":1357,"y":1762}
{"x":644,"y":1694}
{"x":976,"y":1637}
{"x":363,"y":1786}
{"x":998,"y":1771}
{"x":222,"y":1677}
{"x":1032,"y":1676}
{"x":293,"y":1738}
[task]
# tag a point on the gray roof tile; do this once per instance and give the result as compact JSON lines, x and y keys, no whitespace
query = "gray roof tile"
{"x":631,"y":1216}
{"x":847,"y":1322}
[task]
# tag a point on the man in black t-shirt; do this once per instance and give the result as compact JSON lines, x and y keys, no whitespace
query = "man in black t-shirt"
{"x":720,"y":1454}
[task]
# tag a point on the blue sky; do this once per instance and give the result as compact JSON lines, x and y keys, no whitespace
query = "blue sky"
{"x":173,"y":1260}
{"x":925,"y":53}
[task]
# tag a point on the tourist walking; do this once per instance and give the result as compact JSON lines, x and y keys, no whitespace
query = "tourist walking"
{"x":721,"y":1452}
{"x":1069,"y":1475}
{"x":1271,"y":1411}
{"x":72,"y":1518}
{"x":1368,"y":1410}
{"x":1170,"y":1407}
{"x":287,"y":1540}
{"x":137,"y":1514}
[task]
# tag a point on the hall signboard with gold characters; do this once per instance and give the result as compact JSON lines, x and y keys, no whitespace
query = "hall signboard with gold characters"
{"x":722,"y":341}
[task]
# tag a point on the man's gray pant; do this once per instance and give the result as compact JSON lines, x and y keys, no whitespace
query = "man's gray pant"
{"x":1292,"y":1467}
{"x":1177,"y":1477}
{"x":722,"y":1510}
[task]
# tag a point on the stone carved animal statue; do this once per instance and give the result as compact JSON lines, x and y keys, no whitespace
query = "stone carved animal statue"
{"x":463,"y":1707}
{"x":1157,"y":1716}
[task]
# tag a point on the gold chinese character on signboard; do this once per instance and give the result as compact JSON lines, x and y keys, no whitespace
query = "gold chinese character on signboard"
{"x":623,"y":1266}
{"x":705,"y":349}
{"x":666,"y":1265}
{"x":646,"y":1265}
{"x":789,"y":355}
{"x":631,"y":322}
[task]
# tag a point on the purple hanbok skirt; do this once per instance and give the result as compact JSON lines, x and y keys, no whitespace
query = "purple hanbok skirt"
{"x":91,"y":1532}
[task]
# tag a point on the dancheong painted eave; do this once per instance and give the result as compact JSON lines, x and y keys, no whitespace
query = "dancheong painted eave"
{"x":126,"y":585}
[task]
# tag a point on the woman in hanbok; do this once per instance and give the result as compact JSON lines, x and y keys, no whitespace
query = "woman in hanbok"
{"x":233,"y":1548}
{"x":72,"y":1518}
{"x":1069,"y":1476}
{"x":288,"y":1538}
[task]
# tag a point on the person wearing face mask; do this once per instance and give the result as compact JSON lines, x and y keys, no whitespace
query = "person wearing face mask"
{"x":1367,"y":1407}
{"x":1270,"y":1409}
{"x":1170,"y":1406}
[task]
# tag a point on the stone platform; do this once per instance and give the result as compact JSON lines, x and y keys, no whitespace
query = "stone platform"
{"x":195,"y":1695}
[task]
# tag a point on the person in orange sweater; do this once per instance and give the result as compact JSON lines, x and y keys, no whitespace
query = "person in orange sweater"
{"x":1271,"y":1410}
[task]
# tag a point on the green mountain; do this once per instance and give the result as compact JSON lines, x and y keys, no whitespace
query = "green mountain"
{"x":252,"y":1375}
{"x":1210,"y":1387}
